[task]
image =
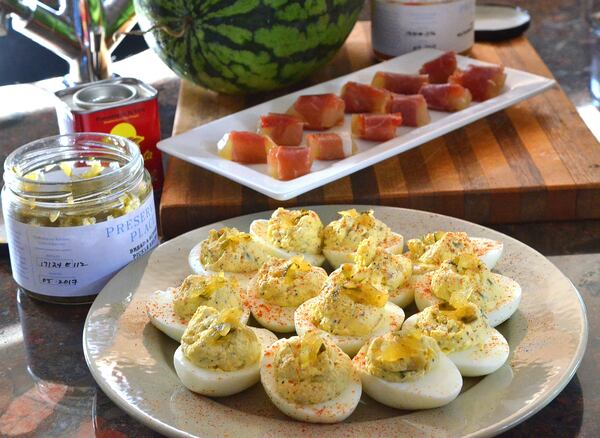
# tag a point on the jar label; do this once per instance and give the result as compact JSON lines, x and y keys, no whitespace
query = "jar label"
{"x":401,"y":28}
{"x":78,"y":261}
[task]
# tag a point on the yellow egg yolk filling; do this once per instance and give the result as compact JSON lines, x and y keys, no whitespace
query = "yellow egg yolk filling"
{"x":295,"y":230}
{"x":466,"y":278}
{"x":400,"y":356}
{"x":309,"y":370}
{"x":454,"y":328}
{"x":230,"y":250}
{"x":352,"y":228}
{"x":289,"y":283}
{"x":219,"y":341}
{"x":389,"y":271}
{"x":349,"y":304}
{"x":213,"y":290}
{"x":435,"y":248}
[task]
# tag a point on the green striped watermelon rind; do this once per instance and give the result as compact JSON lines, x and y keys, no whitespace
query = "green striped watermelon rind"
{"x":246,"y":46}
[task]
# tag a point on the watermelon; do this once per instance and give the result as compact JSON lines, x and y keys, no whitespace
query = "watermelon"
{"x":289,"y":162}
{"x":375,"y":127}
{"x":483,"y":81}
{"x":319,"y":111}
{"x":446,"y":97}
{"x":412,"y":107}
{"x":362,"y":98}
{"x":399,"y":83}
{"x":246,"y":46}
{"x":440,"y":68}
{"x":245,"y":147}
{"x":284,"y":129}
{"x":330,"y":146}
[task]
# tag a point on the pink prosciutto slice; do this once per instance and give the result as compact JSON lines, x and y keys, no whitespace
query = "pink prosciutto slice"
{"x":375,"y":127}
{"x":330,"y":146}
{"x":483,"y":81}
{"x":284,"y":129}
{"x":413,"y":109}
{"x":440,"y":68}
{"x":245,"y":147}
{"x":362,"y":98}
{"x":399,"y":83}
{"x":289,"y":162}
{"x":319,"y":111}
{"x":446,"y":97}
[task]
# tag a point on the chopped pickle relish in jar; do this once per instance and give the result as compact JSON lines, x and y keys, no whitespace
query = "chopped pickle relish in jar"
{"x":68,"y":202}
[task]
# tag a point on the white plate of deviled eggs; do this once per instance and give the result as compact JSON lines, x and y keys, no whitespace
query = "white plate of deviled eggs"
{"x":377,"y":321}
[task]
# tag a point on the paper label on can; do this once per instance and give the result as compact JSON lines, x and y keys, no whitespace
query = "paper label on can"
{"x":401,"y":28}
{"x":78,"y":261}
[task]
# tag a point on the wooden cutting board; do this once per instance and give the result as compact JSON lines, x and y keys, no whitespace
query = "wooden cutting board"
{"x":534,"y":161}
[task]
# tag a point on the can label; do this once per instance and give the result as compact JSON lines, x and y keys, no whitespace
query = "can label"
{"x":78,"y":261}
{"x":136,"y":119}
{"x":399,"y":28}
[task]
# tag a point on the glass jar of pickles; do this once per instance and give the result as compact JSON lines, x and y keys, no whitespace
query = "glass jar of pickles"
{"x":402,"y":26}
{"x":77,"y":208}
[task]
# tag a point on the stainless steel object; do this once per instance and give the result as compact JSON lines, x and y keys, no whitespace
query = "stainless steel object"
{"x":82,"y":32}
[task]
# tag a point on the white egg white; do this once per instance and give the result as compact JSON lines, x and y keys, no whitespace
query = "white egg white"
{"x":489,"y":251}
{"x":501,"y":310}
{"x":159,"y":309}
{"x":480,"y":359}
{"x":217,"y":383}
{"x":331,"y":411}
{"x":437,"y":387}
{"x":243,"y":278}
{"x":277,"y":318}
{"x":392,"y":319}
{"x":337,"y":257}
{"x":258,"y":229}
{"x":402,"y":296}
{"x":424,"y":297}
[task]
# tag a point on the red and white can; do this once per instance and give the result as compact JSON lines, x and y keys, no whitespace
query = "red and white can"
{"x":120,"y":106}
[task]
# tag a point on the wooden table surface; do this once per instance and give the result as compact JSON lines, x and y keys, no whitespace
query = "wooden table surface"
{"x":533,"y":161}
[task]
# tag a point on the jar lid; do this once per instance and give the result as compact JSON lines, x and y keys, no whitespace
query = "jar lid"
{"x":102,"y":95}
{"x":500,"y":22}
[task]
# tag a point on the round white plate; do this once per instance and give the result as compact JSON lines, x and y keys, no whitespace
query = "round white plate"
{"x":133,"y":362}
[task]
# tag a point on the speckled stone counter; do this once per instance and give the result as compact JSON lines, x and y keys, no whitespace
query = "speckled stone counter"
{"x":47,"y":391}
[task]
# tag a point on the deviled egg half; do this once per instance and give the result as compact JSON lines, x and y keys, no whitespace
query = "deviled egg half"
{"x":407,"y":370}
{"x":432,"y":249}
{"x":170,"y":310}
{"x":228,"y":250}
{"x":467,"y":277}
{"x":342,"y":236}
{"x":349,"y":309}
{"x":393,"y":271}
{"x":464,"y":335}
{"x":309,"y":378}
{"x":279,"y":287}
{"x":219,"y":355}
{"x":290,"y":233}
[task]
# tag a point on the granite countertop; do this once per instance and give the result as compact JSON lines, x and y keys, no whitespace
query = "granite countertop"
{"x":46,"y":389}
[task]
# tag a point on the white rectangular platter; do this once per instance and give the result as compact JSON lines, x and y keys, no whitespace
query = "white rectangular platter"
{"x":199,"y":145}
